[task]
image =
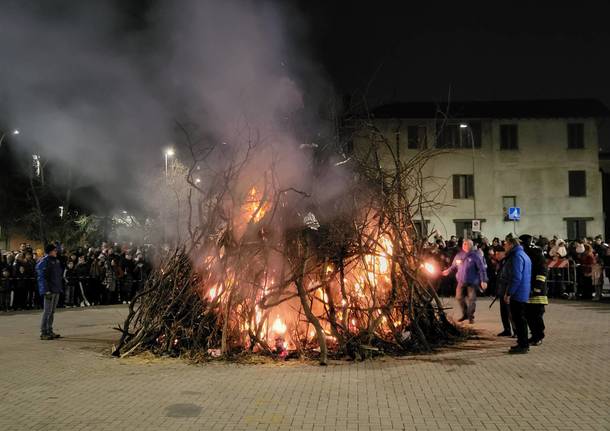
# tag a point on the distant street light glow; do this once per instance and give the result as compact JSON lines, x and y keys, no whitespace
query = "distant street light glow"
{"x":16,"y":132}
{"x":168,"y":153}
{"x":463,"y":126}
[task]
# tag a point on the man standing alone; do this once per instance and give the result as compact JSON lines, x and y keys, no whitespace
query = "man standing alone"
{"x":516,"y":275}
{"x":49,"y":274}
{"x":471,"y":275}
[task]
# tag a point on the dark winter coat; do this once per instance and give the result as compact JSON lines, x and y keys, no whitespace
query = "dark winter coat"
{"x":538,"y":294}
{"x":516,"y":274}
{"x":50,"y":275}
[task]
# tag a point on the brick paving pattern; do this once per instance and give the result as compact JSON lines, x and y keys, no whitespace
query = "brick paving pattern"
{"x":73,"y":383}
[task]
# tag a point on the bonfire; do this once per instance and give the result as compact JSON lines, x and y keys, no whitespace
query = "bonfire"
{"x":267,"y":269}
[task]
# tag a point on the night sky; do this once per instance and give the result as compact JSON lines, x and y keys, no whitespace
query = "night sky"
{"x":421,"y":51}
{"x":413,"y":51}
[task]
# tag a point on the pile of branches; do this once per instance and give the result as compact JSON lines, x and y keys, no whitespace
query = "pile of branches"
{"x":267,"y":270}
{"x":168,"y":316}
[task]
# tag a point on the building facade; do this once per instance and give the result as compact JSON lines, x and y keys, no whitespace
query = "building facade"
{"x":538,"y":156}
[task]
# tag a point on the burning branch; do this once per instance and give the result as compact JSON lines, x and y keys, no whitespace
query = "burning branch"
{"x":267,"y":270}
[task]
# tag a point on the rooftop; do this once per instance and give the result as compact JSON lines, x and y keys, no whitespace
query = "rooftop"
{"x":559,"y":108}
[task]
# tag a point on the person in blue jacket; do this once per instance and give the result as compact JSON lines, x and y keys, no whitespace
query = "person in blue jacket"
{"x":516,"y":277}
{"x":50,"y":286}
{"x":471,"y":276}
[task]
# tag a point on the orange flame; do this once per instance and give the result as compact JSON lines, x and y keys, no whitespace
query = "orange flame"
{"x":279,"y":327}
{"x":254,"y":209}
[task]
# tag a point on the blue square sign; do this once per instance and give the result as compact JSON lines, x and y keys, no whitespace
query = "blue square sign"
{"x":514,"y":213}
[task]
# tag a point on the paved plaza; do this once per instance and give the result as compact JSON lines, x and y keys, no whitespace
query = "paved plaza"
{"x":74,"y":384}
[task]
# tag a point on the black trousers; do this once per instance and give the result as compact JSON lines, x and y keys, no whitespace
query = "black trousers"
{"x":20,"y":298}
{"x":505,"y":315}
{"x":586,"y":287}
{"x":533,"y":314}
{"x":517,"y":311}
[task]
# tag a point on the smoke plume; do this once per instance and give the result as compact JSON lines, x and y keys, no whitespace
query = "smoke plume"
{"x":101,"y":94}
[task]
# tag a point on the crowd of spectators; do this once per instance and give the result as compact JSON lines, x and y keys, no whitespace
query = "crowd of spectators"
{"x":108,"y":274}
{"x":112,"y":274}
{"x":576,"y":268}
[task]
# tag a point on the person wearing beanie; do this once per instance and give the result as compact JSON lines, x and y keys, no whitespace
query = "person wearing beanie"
{"x":50,"y":286}
{"x":534,"y":310}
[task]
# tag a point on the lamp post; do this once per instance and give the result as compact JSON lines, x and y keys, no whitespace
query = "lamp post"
{"x":168,"y":153}
{"x":36,"y":164}
{"x":471,"y":137}
{"x":14,"y":132}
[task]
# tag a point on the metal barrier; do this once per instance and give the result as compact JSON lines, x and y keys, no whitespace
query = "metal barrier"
{"x":32,"y":299}
{"x":566,"y":279}
{"x":561,"y":278}
{"x":84,"y":277}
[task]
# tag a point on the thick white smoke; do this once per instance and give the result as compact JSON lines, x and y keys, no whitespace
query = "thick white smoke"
{"x":101,"y":98}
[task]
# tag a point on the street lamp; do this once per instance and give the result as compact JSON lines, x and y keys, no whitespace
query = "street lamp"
{"x":471,"y":136}
{"x":15,"y":132}
{"x":36,"y":164}
{"x":168,"y":153}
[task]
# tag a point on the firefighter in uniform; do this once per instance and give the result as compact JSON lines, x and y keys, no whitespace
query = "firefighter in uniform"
{"x":534,"y":310}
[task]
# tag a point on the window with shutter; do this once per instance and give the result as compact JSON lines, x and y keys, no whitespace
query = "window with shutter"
{"x":421,"y":228}
{"x":416,"y":137}
{"x":577,"y":229}
{"x":456,"y":187}
{"x":469,"y":186}
{"x":509,"y":137}
{"x":463,"y":186}
{"x":577,"y":183}
{"x":576,"y":136}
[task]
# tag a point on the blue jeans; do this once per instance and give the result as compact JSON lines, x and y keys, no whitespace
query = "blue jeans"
{"x":50,"y":303}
